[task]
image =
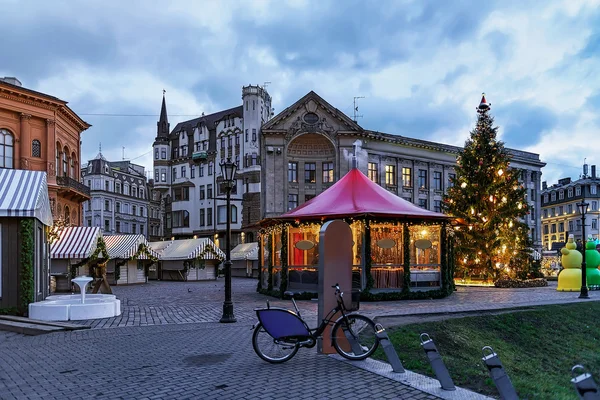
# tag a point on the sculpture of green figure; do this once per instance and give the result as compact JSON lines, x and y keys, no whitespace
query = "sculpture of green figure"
{"x":569,"y":279}
{"x":592,"y":261}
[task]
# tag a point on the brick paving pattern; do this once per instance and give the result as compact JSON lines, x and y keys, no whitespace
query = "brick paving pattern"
{"x":192,"y":361}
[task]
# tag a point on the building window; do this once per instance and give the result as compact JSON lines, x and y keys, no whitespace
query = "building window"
{"x":106,"y":225}
{"x":133,"y":209}
{"x":569,"y":193}
{"x":157,"y":176}
{"x":553,"y":196}
{"x":133,"y":228}
{"x":423,"y":203}
{"x":106,"y":205}
{"x":183,"y":172}
{"x":254,"y":134}
{"x":246,"y":135}
{"x":202,"y":216}
{"x":156,"y":154}
{"x":390,"y":175}
{"x":36,"y":149}
{"x":451,"y":178}
{"x":594,"y":205}
{"x":578,"y":191}
{"x":327,"y":172}
{"x":222,"y":214}
{"x":437,"y":206}
{"x":546,"y":228}
{"x":594,"y":223}
{"x":192,"y":172}
{"x":310,"y":172}
{"x":292,"y":201}
{"x":181,"y":219}
{"x":570,"y":227}
{"x":546,"y":197}
{"x":308,"y":197}
{"x":437,"y":180}
{"x":407,"y":177}
{"x":174,"y":174}
{"x":561,"y":195}
{"x":209,"y":216}
{"x":163,"y":175}
{"x":163,"y":154}
{"x":593,"y":189}
{"x":209,"y":192}
{"x":422,"y":179}
{"x":553,"y":228}
{"x":118,"y":207}
{"x":141,"y":211}
{"x":372,"y":172}
{"x":184,"y":151}
{"x":560,"y":210}
{"x":201,"y":170}
{"x":65,"y":157}
{"x":561,"y":226}
{"x":210,"y":168}
{"x":293,"y":172}
{"x":106,"y":186}
{"x":202,"y":192}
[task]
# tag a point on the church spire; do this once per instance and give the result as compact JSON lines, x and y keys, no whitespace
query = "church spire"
{"x":163,"y":122}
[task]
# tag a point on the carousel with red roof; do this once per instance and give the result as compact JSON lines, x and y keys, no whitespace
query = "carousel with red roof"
{"x":399,"y":249}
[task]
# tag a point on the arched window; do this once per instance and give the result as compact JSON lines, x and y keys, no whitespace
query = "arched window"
{"x":6,"y":149}
{"x":65,"y":159}
{"x":58,"y":152}
{"x":67,"y":216}
{"x":73,"y":162}
{"x":36,"y":148}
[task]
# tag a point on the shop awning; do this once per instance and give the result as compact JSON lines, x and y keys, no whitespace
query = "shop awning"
{"x":160,"y":247}
{"x":125,"y":246}
{"x":75,"y":242}
{"x":25,"y":194}
{"x":357,"y":195}
{"x":191,"y":248}
{"x":245,"y":251}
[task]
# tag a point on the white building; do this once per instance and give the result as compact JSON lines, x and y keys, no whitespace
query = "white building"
{"x":119,"y":202}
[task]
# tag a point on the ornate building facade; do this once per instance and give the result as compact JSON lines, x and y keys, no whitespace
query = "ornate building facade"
{"x":288,"y":159}
{"x":40,"y":132}
{"x":119,"y":196}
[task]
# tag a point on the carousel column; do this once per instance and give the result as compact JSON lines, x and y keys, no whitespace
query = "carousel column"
{"x":25,"y":145}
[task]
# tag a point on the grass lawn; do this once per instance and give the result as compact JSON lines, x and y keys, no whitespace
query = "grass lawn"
{"x":537,"y":348}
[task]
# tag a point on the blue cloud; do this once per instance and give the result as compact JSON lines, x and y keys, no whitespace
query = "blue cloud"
{"x":523,"y":123}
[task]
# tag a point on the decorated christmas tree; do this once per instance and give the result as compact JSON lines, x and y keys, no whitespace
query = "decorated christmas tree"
{"x":490,"y":202}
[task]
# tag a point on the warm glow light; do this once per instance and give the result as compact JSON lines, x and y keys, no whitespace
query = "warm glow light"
{"x":424,"y":232}
{"x":510,"y":224}
{"x":463,"y":185}
{"x":519,"y":206}
{"x":472,"y":211}
{"x":470,"y":227}
{"x":491,"y":198}
{"x":504,"y":199}
{"x":500,"y":172}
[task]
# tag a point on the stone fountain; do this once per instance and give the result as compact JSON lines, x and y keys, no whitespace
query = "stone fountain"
{"x":76,"y":306}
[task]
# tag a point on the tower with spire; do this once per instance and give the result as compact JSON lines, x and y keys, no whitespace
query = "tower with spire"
{"x":162,"y":149}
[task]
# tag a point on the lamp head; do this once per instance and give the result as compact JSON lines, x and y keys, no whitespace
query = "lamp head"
{"x":228,"y":170}
{"x":583,"y":207}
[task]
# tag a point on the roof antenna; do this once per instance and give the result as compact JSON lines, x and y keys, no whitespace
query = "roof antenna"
{"x":356,"y":108}
{"x":123,"y":153}
{"x":100,"y":148}
{"x":265,"y":85}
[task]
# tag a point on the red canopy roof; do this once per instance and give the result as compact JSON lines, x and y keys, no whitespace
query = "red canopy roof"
{"x":355,"y":195}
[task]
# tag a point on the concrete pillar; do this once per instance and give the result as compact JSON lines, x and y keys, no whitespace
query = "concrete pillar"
{"x":25,"y":143}
{"x":51,"y":151}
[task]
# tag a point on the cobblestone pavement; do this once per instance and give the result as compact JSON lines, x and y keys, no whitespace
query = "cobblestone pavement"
{"x":159,"y":303}
{"x":191,"y":361}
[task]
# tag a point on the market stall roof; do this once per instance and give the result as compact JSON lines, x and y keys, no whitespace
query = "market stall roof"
{"x":25,"y":194}
{"x":75,"y":242}
{"x":160,"y":247}
{"x":187,"y":249}
{"x":126,"y":246}
{"x":356,"y":195}
{"x":245,"y":251}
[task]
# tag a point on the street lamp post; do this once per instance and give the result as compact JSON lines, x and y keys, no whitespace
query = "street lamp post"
{"x":583,"y":208}
{"x":228,"y":169}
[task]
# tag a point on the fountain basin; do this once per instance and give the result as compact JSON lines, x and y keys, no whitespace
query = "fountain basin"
{"x":71,"y":307}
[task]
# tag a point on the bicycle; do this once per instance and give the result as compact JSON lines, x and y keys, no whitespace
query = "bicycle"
{"x":280,"y":333}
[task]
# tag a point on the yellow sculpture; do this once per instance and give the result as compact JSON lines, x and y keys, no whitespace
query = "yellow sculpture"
{"x":569,"y":279}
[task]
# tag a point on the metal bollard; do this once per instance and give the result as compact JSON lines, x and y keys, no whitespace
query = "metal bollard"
{"x":437,"y":364}
{"x":498,"y":374}
{"x":388,"y":348}
{"x":584,"y":384}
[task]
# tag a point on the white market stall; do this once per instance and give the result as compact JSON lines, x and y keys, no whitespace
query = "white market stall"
{"x":130,"y":255}
{"x":188,"y":259}
{"x":244,"y":260}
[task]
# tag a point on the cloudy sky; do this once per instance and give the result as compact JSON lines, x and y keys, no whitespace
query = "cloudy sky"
{"x":421,"y":65}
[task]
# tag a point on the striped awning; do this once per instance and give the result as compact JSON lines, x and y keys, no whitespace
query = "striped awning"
{"x":245,"y":251}
{"x":25,"y":194}
{"x":75,"y":242}
{"x":191,"y":248}
{"x":125,"y":246}
{"x":160,"y":247}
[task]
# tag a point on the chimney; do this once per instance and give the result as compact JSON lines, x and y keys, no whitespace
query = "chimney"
{"x":544,"y":185}
{"x":585,"y":170}
{"x":593,"y":171}
{"x":12,"y":80}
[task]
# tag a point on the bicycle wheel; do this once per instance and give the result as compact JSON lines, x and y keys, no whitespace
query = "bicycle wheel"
{"x":270,"y":349}
{"x":354,"y":337}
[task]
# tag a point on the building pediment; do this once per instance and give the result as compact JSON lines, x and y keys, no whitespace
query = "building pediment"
{"x":311,"y":114}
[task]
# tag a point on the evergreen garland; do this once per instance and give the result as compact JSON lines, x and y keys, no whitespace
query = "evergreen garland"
{"x":406,"y":251}
{"x":26,"y":292}
{"x":270,"y":267}
{"x":284,"y":261}
{"x":370,"y":281}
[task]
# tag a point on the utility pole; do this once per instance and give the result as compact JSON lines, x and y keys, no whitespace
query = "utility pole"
{"x":356,"y":115}
{"x":123,"y":153}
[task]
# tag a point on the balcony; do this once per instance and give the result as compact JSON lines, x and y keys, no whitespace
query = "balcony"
{"x":199,"y":155}
{"x":71,"y":189}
